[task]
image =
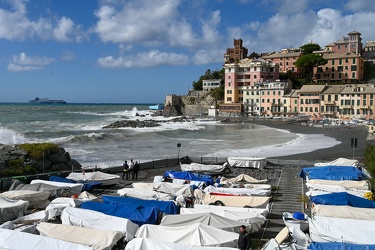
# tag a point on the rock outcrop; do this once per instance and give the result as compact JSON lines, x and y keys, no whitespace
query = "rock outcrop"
{"x":143,"y":124}
{"x":56,"y":160}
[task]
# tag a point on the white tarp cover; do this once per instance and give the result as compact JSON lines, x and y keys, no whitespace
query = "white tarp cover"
{"x":321,"y":189}
{"x":93,"y":219}
{"x":198,"y":167}
{"x":75,"y":188}
{"x":262,"y":211}
{"x":28,"y":223}
{"x":256,"y":186}
{"x":153,"y":244}
{"x":165,"y":187}
{"x":55,"y":191}
{"x":326,"y":229}
{"x":255,"y":219}
{"x":211,"y":219}
{"x":36,"y":199}
{"x":247,"y":162}
{"x":15,"y":240}
{"x":12,"y":209}
{"x":338,"y":162}
{"x":345,"y":212}
{"x":237,"y":191}
{"x":104,"y":178}
{"x":242,"y":178}
{"x":58,"y":205}
{"x":195,"y":235}
{"x":144,"y":194}
{"x":360,"y":185}
{"x":237,"y":201}
{"x":86,"y":196}
{"x":95,"y":238}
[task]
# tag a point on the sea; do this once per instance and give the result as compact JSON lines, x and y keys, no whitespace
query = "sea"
{"x":79,"y":129}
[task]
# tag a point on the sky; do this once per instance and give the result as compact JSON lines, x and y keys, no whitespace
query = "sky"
{"x":139,"y":51}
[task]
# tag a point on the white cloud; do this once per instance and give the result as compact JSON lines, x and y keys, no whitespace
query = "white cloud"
{"x":149,"y":59}
{"x":360,"y":5}
{"x":209,"y":56}
{"x":16,"y":26}
{"x":22,"y":62}
{"x":68,"y":56}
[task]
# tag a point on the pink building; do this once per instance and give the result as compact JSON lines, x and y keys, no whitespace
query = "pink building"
{"x":351,"y":44}
{"x":239,"y":76}
{"x":285,"y":59}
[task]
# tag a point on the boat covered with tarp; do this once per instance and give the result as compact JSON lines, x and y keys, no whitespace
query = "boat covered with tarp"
{"x":189,"y":176}
{"x":342,"y":199}
{"x":236,"y":201}
{"x":104,"y":178}
{"x":12,"y":209}
{"x":211,"y":219}
{"x":55,"y":191}
{"x":10,"y":239}
{"x":193,"y":235}
{"x":93,"y":219}
{"x":262,"y":211}
{"x":339,"y":246}
{"x":338,"y":162}
{"x":333,"y":173}
{"x":144,"y":194}
{"x":205,"y":168}
{"x":243,"y":178}
{"x":95,"y":238}
{"x":165,"y":187}
{"x":167,"y":207}
{"x":87,"y":186}
{"x":327,"y":229}
{"x":58,"y":205}
{"x":137,"y":214}
{"x":236,"y":191}
{"x":345,"y":212}
{"x":247,"y":162}
{"x":151,"y":244}
{"x":75,"y":188}
{"x":36,"y":199}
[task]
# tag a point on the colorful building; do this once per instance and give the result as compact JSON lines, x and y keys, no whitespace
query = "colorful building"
{"x":237,"y":53}
{"x":369,"y":51}
{"x":285,"y":59}
{"x":350,"y":44}
{"x":330,"y":101}
{"x":209,"y":85}
{"x":309,"y":99}
{"x":239,"y":76}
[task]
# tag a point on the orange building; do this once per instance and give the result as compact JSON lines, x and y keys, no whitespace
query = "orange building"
{"x":285,"y":59}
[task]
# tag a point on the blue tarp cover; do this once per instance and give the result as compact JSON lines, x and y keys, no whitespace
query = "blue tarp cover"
{"x":168,"y":207}
{"x":87,"y":186}
{"x":338,"y":246}
{"x":186,"y":175}
{"x":334,"y":173}
{"x":139,"y":215}
{"x":342,"y":199}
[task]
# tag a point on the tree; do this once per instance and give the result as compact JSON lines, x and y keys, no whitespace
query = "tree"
{"x":217,"y":74}
{"x":309,"y":48}
{"x":368,"y":71}
{"x":254,"y":55}
{"x":369,"y":160}
{"x":308,"y":62}
{"x":218,"y":93}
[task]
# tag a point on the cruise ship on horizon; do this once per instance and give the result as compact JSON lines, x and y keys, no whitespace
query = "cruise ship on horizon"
{"x":46,"y":101}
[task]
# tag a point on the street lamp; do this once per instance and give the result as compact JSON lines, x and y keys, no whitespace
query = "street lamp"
{"x":179,"y":147}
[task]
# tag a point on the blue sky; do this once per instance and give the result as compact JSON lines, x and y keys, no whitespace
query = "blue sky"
{"x":137,"y":51}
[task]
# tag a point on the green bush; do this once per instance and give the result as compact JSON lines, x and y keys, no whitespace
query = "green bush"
{"x":17,"y":168}
{"x":369,"y":160}
{"x":36,"y":150}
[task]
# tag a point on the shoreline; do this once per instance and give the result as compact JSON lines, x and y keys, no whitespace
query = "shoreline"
{"x":342,"y":134}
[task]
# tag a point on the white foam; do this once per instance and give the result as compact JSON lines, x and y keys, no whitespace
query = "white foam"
{"x":304,"y":143}
{"x":9,"y":136}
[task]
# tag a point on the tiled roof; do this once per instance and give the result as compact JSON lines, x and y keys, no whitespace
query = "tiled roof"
{"x":334,"y":89}
{"x":339,"y":55}
{"x":280,"y":54}
{"x":312,"y":89}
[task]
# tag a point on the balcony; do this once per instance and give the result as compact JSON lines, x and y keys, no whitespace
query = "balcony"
{"x":277,"y":104}
{"x":347,"y":106}
{"x":330,"y":103}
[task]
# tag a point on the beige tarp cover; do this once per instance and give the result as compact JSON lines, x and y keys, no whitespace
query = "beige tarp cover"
{"x":165,"y":187}
{"x":211,"y":219}
{"x":93,"y":219}
{"x":262,"y":211}
{"x":87,"y":196}
{"x":195,"y":235}
{"x":95,"y":238}
{"x":256,"y":220}
{"x":10,"y":239}
{"x":104,"y":178}
{"x":237,"y":201}
{"x":144,"y":194}
{"x":361,"y":185}
{"x":36,"y":199}
{"x":151,"y":244}
{"x":345,"y":212}
{"x":12,"y":209}
{"x":242,"y":178}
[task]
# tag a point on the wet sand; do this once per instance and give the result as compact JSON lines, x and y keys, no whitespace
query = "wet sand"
{"x":342,"y":134}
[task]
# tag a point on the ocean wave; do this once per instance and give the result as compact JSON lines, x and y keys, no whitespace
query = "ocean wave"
{"x":304,"y":143}
{"x":9,"y":136}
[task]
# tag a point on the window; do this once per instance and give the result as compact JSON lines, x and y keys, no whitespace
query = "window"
{"x":322,"y":109}
{"x":353,"y":74}
{"x":268,"y":92}
{"x":279,"y":92}
{"x":316,"y":109}
{"x":353,"y":67}
{"x":301,"y":109}
{"x":358,"y":102}
{"x":262,"y":92}
{"x":333,"y":61}
{"x":339,"y":75}
{"x":229,"y":77}
{"x":287,"y":63}
{"x":262,"y":100}
{"x":301,"y":101}
{"x":339,"y":46}
{"x":306,"y":109}
{"x":353,"y":60}
{"x":333,"y":75}
{"x":339,"y":69}
{"x":284,"y":101}
{"x":340,"y":60}
{"x":329,"y":98}
{"x":274,"y":92}
{"x":346,"y":59}
{"x":255,"y":76}
{"x":336,"y":98}
{"x":371,"y":102}
{"x":229,"y":99}
{"x":295,"y":101}
{"x":364,"y":102}
{"x":268,"y":100}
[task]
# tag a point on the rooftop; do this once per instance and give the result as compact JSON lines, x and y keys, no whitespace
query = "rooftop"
{"x":312,"y":89}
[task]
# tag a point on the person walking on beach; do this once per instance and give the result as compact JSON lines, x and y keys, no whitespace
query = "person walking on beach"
{"x":243,"y":239}
{"x":126,"y":171}
{"x":131,"y":167}
{"x":136,"y":169}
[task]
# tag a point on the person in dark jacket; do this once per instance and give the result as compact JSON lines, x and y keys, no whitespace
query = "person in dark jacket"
{"x":243,"y":239}
{"x":126,"y":171}
{"x":136,"y":169}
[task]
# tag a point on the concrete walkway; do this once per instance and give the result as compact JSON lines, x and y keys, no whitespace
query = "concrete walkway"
{"x":286,"y":199}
